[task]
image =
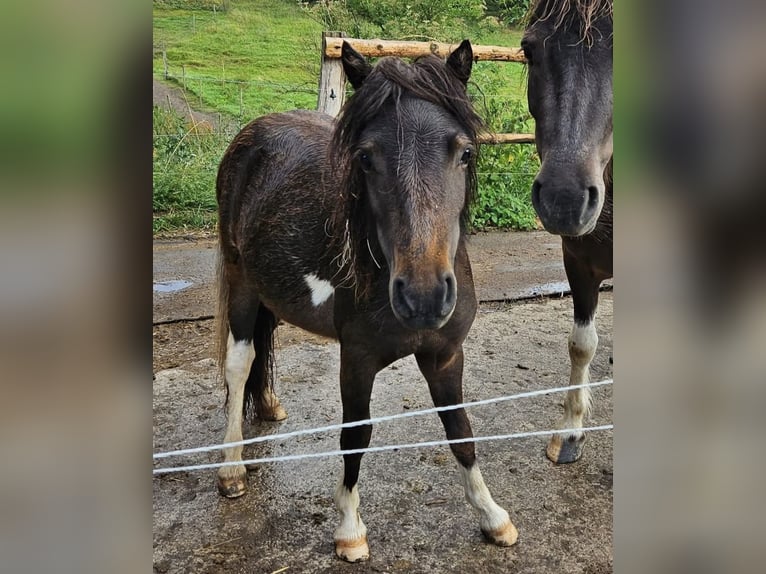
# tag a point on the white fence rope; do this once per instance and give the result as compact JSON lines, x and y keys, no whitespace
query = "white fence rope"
{"x":376,"y":420}
{"x":290,"y":457}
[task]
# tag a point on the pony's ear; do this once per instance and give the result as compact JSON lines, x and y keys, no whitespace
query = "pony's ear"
{"x":460,"y":61}
{"x":356,"y":67}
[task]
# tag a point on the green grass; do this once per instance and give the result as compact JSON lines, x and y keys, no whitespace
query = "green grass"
{"x":185,"y":160}
{"x":263,"y":56}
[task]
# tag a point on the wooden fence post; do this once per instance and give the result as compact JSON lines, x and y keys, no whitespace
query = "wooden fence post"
{"x":332,"y":79}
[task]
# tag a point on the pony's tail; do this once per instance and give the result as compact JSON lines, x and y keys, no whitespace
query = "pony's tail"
{"x":259,"y":388}
{"x":222,"y":318}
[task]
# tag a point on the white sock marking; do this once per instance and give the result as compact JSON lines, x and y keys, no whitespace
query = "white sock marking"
{"x":351,"y":526}
{"x":582,"y":346}
{"x":321,"y":289}
{"x":239,"y":358}
{"x":491,"y":516}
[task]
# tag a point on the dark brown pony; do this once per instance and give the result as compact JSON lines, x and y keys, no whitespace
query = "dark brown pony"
{"x":354,"y":229}
{"x":568,"y":47}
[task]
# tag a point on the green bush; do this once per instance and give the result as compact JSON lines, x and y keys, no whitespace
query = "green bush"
{"x":398,"y":19}
{"x":506,"y":171}
{"x":512,"y":12}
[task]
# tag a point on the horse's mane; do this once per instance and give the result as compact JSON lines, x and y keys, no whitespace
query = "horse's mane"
{"x":429,"y":79}
{"x":564,"y":12}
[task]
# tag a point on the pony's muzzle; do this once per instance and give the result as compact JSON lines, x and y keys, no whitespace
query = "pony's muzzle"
{"x":567,"y":209}
{"x":419,"y":306}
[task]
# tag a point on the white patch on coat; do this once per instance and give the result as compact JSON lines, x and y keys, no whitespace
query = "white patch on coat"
{"x":491,"y":516}
{"x":321,"y":289}
{"x":351,"y":526}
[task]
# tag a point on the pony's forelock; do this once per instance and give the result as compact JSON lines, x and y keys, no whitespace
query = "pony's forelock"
{"x":561,"y":12}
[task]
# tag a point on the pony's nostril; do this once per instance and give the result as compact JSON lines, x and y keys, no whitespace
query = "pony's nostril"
{"x":449,"y":294}
{"x":536,"y":186}
{"x":592,"y":197}
{"x":403,"y":304}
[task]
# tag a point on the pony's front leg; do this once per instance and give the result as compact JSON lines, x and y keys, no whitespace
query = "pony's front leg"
{"x":583,"y":341}
{"x":356,"y":379}
{"x":444,"y":373}
{"x":232,"y":480}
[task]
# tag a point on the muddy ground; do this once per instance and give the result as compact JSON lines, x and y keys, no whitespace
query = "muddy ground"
{"x":411,"y":500}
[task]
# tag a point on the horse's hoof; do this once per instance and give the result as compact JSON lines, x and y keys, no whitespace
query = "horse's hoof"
{"x":565,"y":450}
{"x":506,"y":535}
{"x":275,"y":414}
{"x":230,"y":485}
{"x":353,"y":550}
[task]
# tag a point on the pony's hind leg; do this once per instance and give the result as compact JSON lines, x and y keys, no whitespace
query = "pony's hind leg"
{"x":232,"y":480}
{"x":247,"y":371}
{"x":356,"y":379}
{"x":583,"y":341}
{"x":444,"y":374}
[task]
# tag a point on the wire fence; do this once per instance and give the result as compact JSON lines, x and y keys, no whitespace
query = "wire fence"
{"x":378,"y":420}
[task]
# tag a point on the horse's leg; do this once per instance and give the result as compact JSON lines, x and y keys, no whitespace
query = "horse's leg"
{"x":356,"y":379}
{"x":240,"y":352}
{"x":444,"y":374}
{"x":259,"y":388}
{"x":583,"y":341}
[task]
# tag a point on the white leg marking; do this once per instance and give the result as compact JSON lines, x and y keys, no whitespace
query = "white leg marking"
{"x":239,"y":358}
{"x":492,"y":518}
{"x":321,"y":290}
{"x":351,"y":535}
{"x":582,"y":346}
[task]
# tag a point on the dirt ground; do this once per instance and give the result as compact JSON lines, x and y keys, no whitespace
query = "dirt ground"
{"x":411,"y":500}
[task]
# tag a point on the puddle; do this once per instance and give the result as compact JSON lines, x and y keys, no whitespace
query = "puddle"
{"x":170,"y":286}
{"x":552,"y":288}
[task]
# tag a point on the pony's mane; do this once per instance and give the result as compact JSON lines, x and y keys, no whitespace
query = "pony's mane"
{"x":564,"y":12}
{"x":429,"y":79}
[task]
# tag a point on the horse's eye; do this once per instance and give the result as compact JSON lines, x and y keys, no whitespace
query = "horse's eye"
{"x":527,"y":53}
{"x":365,"y":161}
{"x":466,"y":157}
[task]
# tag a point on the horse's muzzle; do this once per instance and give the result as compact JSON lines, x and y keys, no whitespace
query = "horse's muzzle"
{"x":567,"y":210}
{"x":424,"y":307}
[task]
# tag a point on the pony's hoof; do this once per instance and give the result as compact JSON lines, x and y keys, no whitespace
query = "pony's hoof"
{"x":275,"y":414}
{"x":506,"y":535}
{"x":565,"y":450}
{"x":232,"y":485}
{"x":352,"y":550}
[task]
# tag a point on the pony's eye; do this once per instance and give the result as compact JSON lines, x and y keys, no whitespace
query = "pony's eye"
{"x":365,"y":162}
{"x":527,"y":53}
{"x":466,"y":157}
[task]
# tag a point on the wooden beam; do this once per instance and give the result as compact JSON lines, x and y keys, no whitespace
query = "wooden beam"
{"x":506,"y":138}
{"x":379,"y":48}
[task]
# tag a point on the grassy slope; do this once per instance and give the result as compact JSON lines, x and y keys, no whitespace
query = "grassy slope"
{"x":262,"y":56}
{"x":270,"y":45}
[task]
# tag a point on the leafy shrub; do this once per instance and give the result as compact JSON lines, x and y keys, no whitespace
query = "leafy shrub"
{"x":512,"y":12}
{"x":398,"y":19}
{"x":505,"y":171}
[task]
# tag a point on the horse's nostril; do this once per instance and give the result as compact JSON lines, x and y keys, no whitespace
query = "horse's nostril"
{"x":403,"y":304}
{"x":536,"y":186}
{"x":592,"y":197}
{"x":449,"y":294}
